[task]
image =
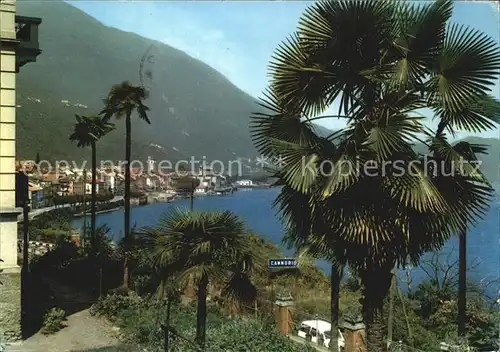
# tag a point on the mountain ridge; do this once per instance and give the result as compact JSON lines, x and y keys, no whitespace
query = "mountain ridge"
{"x":191,"y":103}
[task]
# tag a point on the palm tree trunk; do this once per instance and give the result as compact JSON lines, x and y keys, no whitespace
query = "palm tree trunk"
{"x":335,"y":278}
{"x":126,"y":230}
{"x":390,"y":320}
{"x":93,"y":200}
{"x":166,"y":329}
{"x":201,"y":313}
{"x":462,"y":281}
{"x":84,"y":208}
{"x":376,"y":283}
{"x":407,"y":321}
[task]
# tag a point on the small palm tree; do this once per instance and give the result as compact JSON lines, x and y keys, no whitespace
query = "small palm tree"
{"x":122,"y":100}
{"x":87,"y":131}
{"x":202,"y":248}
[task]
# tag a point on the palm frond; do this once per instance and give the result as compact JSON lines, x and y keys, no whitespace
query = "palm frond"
{"x":467,"y":68}
{"x":89,"y":129}
{"x":419,"y":36}
{"x":344,"y":38}
{"x":123,"y":99}
{"x":481,"y":114}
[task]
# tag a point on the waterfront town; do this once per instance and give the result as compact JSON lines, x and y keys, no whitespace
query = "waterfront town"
{"x":71,"y":187}
{"x":65,"y":184}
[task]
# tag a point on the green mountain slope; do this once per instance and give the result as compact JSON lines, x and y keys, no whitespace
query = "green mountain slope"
{"x":194,"y":109}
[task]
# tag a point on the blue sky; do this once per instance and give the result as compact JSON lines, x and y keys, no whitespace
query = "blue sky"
{"x":238,"y":38}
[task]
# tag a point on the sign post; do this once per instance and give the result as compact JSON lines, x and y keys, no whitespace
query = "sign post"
{"x":282,"y":263}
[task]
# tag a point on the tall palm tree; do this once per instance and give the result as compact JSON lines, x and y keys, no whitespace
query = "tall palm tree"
{"x":87,"y":131}
{"x":122,"y":100}
{"x":382,"y":63}
{"x":202,"y":248}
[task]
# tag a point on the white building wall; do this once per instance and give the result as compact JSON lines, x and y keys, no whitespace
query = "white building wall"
{"x":8,"y":213}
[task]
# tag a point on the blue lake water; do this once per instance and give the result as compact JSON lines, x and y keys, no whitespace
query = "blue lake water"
{"x":255,"y":207}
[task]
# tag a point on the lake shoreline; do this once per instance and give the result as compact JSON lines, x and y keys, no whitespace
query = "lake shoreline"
{"x":135,"y":203}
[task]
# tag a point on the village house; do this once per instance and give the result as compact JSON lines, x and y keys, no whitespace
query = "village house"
{"x":209,"y":180}
{"x":135,"y":172}
{"x":141,"y":181}
{"x":61,"y":184}
{"x":119,"y":184}
{"x":27,"y":166}
{"x":79,"y":186}
{"x":58,"y":184}
{"x":153,"y":181}
{"x":167,"y":183}
{"x":64,"y":185}
{"x":148,"y":182}
{"x":65,"y":171}
{"x":35,"y":195}
{"x":109,"y":179}
{"x":49,"y":177}
{"x":158,"y":182}
{"x":78,"y":173}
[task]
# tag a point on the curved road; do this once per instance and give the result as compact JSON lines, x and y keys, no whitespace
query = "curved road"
{"x":35,"y":212}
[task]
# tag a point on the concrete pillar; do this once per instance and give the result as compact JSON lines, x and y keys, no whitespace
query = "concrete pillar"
{"x":8,"y":210}
{"x":354,"y":334}
{"x":284,"y":316}
{"x":10,"y":291}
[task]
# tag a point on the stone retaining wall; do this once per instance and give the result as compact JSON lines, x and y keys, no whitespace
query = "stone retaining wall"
{"x":10,"y":307}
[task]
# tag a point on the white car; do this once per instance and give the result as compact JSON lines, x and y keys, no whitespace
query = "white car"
{"x":312,"y":329}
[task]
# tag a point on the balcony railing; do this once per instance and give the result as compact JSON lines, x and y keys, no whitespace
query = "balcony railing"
{"x":27,"y":35}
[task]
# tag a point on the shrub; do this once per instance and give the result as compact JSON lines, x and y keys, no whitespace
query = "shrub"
{"x":241,"y":335}
{"x":112,"y":305}
{"x":64,"y":253}
{"x":53,"y":321}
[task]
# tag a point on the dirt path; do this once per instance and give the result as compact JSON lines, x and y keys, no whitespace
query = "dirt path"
{"x":82,"y":332}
